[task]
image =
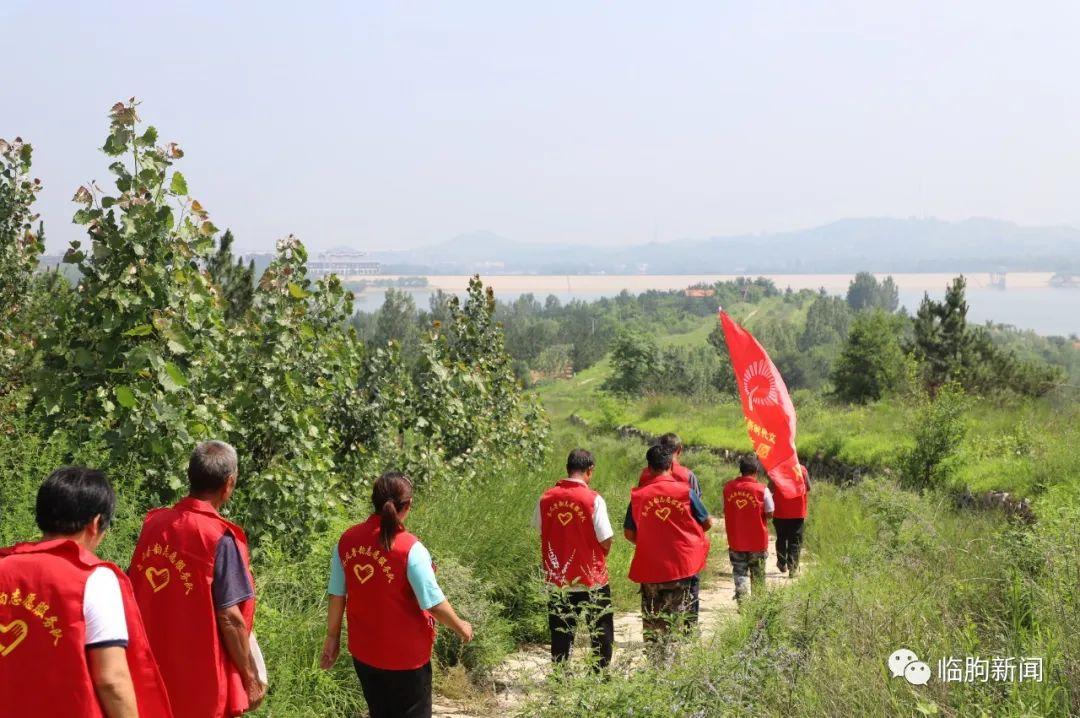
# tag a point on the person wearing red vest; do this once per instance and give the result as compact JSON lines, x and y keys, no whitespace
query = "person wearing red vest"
{"x":788,"y":520}
{"x":72,"y":642}
{"x":747,"y":506}
{"x":382,"y":580}
{"x":575,"y":538}
{"x":666,"y":522}
{"x":192,"y":577}
{"x":674,"y":445}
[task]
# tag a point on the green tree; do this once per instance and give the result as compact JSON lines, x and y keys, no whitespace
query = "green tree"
{"x":635,"y":361}
{"x":235,"y":281}
{"x":289,"y":364}
{"x":827,"y":322}
{"x":942,"y":343}
{"x":865,"y":292}
{"x":939,"y":432}
{"x":396,"y":320}
{"x":872,"y":361}
{"x":20,"y":250}
{"x":145,"y":333}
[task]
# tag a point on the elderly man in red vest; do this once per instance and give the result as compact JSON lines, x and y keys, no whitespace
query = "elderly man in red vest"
{"x":193,"y":581}
{"x":747,"y":506}
{"x":575,"y":537}
{"x":72,"y":642}
{"x":666,"y":522}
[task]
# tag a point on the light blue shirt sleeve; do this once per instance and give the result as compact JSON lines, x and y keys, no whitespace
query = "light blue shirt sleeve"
{"x":422,"y":577}
{"x":336,"y":587}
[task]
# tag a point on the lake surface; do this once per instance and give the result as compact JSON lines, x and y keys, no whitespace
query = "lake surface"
{"x":1027,"y":302}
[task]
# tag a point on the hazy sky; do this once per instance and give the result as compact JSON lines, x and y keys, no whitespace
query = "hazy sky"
{"x":393,"y":124}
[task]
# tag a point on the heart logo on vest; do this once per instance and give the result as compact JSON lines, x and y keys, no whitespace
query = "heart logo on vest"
{"x":363,"y":572}
{"x":158,"y":578}
{"x":17,"y":631}
{"x":565,"y":518}
{"x":663,"y":513}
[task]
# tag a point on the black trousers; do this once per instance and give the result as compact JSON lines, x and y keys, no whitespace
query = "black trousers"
{"x":789,"y":534}
{"x":396,"y":694}
{"x":594,"y":606}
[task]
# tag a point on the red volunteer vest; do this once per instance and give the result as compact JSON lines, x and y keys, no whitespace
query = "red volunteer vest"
{"x":790,"y":508}
{"x":43,"y":667}
{"x":679,"y":471}
{"x":671,"y":545}
{"x":172,"y":572}
{"x":568,"y":545}
{"x":744,"y":515}
{"x":387,"y":627}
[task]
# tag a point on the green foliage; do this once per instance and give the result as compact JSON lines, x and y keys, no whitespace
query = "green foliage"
{"x":949,"y":350}
{"x":472,"y":598}
{"x":939,"y":431}
{"x":866,"y":292}
{"x":872,"y":363}
{"x":456,"y":407}
{"x":20,"y":247}
{"x":555,"y":360}
{"x":827,"y":322}
{"x":235,"y":281}
{"x":155,"y":353}
{"x":145,"y":331}
{"x":942,"y":341}
{"x":288,"y":368}
{"x":635,"y":359}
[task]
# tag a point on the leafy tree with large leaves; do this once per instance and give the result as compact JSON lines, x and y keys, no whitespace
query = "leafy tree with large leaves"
{"x":468,"y":395}
{"x":287,"y":366}
{"x":20,"y":248}
{"x":454,"y":409}
{"x":145,"y":332}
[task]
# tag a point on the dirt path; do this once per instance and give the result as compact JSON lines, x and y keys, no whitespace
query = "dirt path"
{"x":522,"y":672}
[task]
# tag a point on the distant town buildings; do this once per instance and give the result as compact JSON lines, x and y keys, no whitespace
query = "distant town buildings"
{"x":343,"y":264}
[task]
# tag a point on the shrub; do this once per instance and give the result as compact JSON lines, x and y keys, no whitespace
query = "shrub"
{"x":939,"y":431}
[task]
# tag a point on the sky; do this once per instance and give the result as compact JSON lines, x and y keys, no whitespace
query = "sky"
{"x":385,"y":125}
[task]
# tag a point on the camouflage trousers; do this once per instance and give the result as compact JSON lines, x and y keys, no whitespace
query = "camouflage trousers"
{"x":668,"y":610}
{"x":748,"y":568}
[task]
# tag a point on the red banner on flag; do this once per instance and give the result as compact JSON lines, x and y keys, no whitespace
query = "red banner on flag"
{"x":770,"y":415}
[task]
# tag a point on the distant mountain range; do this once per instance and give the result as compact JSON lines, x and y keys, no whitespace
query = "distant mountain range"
{"x":845,"y":246}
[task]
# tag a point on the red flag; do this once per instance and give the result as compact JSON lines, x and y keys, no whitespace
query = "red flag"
{"x":770,"y":415}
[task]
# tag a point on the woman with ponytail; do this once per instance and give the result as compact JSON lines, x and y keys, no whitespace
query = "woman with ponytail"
{"x":383,"y":582}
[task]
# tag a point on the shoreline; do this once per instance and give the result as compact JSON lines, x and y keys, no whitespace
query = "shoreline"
{"x":610,"y":284}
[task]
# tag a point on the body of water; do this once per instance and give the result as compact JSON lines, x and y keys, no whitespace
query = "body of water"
{"x":1027,"y":302}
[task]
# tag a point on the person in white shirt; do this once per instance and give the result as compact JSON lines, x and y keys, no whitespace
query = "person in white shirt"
{"x":575,"y":538}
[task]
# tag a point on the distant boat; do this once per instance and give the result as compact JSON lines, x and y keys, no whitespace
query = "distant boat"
{"x":1063,"y":280}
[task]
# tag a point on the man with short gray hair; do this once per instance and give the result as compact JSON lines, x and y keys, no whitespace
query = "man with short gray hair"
{"x":192,"y":576}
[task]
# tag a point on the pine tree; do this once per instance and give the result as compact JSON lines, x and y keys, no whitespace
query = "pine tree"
{"x":236,"y":282}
